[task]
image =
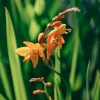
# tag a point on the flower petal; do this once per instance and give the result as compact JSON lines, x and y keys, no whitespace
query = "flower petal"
{"x":41,"y":46}
{"x":35,"y":60}
{"x":27,"y":58}
{"x":53,"y":32}
{"x":62,"y":28}
{"x":41,"y":54}
{"x":23,"y":51}
{"x":60,"y":42}
{"x":50,"y":48}
{"x":29,"y":44}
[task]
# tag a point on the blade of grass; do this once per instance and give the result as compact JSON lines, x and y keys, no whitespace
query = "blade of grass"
{"x":2,"y":97}
{"x":4,"y":80}
{"x":87,"y":81}
{"x":94,"y":55}
{"x":96,"y":87}
{"x":18,"y":84}
{"x":57,"y":79}
{"x":3,"y":74}
{"x":75,"y":85}
{"x":39,"y":6}
{"x":75,"y":82}
{"x":33,"y":34}
{"x":97,"y":92}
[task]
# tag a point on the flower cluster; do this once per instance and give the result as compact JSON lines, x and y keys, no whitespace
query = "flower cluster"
{"x":46,"y":42}
{"x":32,"y":51}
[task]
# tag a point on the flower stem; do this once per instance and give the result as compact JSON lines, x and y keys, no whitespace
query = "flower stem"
{"x":62,"y":77}
{"x":46,"y":92}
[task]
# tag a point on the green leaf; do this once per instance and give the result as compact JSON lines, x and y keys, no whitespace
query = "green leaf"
{"x":39,"y":6}
{"x":57,"y":79}
{"x":3,"y":73}
{"x":96,"y":87}
{"x":4,"y":80}
{"x":2,"y":97}
{"x":18,"y":83}
{"x":34,"y":26}
{"x":75,"y":82}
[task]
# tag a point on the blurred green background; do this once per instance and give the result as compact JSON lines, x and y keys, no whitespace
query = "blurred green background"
{"x":79,"y":62}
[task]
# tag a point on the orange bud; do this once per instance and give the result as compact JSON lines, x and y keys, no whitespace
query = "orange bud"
{"x":61,"y":16}
{"x":55,"y":19}
{"x":49,"y":25}
{"x":41,"y":38}
{"x":36,"y":79}
{"x":48,"y":84}
{"x":57,"y":23}
{"x":38,"y":91}
{"x":42,"y":79}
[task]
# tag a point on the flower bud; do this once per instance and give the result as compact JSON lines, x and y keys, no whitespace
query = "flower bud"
{"x":36,"y":79}
{"x":61,"y":16}
{"x":55,"y":19}
{"x":48,"y":84}
{"x":42,"y":79}
{"x":38,"y":91}
{"x":41,"y":38}
{"x":49,"y":25}
{"x":57,"y":23}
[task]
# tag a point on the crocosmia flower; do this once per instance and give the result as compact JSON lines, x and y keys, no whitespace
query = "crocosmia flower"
{"x":32,"y":52}
{"x":55,"y":39}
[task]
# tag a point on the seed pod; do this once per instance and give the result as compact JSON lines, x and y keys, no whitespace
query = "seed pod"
{"x":55,"y":19}
{"x":57,"y":23}
{"x":48,"y":84}
{"x":38,"y":91}
{"x":41,"y":38}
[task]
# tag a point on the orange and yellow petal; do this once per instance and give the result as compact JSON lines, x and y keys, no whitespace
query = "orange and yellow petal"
{"x":62,"y":28}
{"x":41,"y":46}
{"x":23,"y":51}
{"x":52,"y":33}
{"x":50,"y":48}
{"x":41,"y":54}
{"x":35,"y":60}
{"x":27,"y":58}
{"x":62,"y":41}
{"x":29,"y":44}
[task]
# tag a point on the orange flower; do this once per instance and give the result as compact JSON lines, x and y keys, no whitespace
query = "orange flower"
{"x":55,"y":38}
{"x":32,"y":52}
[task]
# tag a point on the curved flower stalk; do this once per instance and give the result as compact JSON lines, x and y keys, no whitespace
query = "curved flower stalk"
{"x":54,"y":38}
{"x":32,"y":51}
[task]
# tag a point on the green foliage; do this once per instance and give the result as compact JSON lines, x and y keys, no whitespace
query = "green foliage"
{"x":15,"y":67}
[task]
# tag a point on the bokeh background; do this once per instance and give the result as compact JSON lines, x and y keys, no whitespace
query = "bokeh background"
{"x":79,"y":62}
